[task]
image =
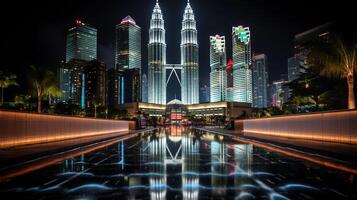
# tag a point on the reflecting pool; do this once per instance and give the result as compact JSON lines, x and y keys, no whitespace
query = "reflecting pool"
{"x":179,"y":163}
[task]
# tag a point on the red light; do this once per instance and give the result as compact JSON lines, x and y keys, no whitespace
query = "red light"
{"x":78,"y":22}
{"x":230,"y":63}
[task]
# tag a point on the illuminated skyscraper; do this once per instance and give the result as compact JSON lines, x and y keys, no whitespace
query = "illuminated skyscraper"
{"x":189,"y":58}
{"x":128,"y":44}
{"x":218,"y":75}
{"x":128,"y":60}
{"x":157,"y":58}
{"x":81,"y":43}
{"x":260,"y":80}
{"x":242,"y":60}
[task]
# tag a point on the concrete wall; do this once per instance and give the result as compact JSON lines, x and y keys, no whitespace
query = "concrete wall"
{"x":18,"y":128}
{"x":338,"y":126}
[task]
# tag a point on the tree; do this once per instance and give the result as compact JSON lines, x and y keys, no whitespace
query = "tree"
{"x":6,"y":80}
{"x":336,"y":59}
{"x":43,"y":83}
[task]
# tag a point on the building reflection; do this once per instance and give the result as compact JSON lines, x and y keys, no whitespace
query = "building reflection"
{"x":190,"y":167}
{"x":157,"y":169}
{"x":167,"y":151}
{"x":218,"y":167}
{"x":76,"y":164}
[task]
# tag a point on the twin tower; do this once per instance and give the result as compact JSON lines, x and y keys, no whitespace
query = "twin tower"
{"x":157,"y":58}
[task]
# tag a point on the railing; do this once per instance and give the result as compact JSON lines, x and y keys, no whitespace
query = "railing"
{"x":336,"y":126}
{"x":20,"y":128}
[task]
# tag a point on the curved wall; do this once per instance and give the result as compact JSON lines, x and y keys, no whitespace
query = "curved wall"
{"x":19,"y":128}
{"x":338,"y":126}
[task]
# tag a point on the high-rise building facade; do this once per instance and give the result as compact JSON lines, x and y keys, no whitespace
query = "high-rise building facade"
{"x":242,"y":60}
{"x":189,"y":58}
{"x":94,"y":80}
{"x":127,"y":44}
{"x":157,"y":58}
{"x":218,"y":75}
{"x":130,"y":85}
{"x":81,"y":42}
{"x":260,"y":80}
{"x":301,"y":42}
{"x":113,"y":87}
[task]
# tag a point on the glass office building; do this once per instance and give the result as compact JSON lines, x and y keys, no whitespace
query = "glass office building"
{"x":260,"y":80}
{"x":128,"y":44}
{"x":81,"y":42}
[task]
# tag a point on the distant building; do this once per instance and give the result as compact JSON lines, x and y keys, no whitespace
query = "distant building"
{"x":113,"y":87}
{"x":76,"y":84}
{"x":81,"y":47}
{"x":81,"y":43}
{"x":218,"y":75}
{"x":127,"y":44}
{"x":64,"y":78}
{"x":260,"y":80}
{"x":205,"y":94}
{"x":129,"y":85}
{"x":144,"y":88}
{"x":242,"y":60}
{"x":128,"y":61}
{"x":94,"y":84}
{"x":279,"y":93}
{"x":294,"y":69}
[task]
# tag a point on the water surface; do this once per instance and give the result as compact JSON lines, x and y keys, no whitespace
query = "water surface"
{"x":178,"y":163}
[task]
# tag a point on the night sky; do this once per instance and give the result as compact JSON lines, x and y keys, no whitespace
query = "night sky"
{"x":35,"y":30}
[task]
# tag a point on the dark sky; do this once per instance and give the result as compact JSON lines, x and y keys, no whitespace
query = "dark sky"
{"x":35,"y":30}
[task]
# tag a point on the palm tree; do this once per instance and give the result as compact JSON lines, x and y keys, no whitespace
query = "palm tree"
{"x":52,"y":92}
{"x":43,"y":83}
{"x":6,"y":80}
{"x":336,"y":60}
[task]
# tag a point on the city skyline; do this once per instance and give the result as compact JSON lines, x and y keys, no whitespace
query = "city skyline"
{"x":270,"y":37}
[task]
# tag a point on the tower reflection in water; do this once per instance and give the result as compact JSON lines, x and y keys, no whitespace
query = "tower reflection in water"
{"x":181,"y":154}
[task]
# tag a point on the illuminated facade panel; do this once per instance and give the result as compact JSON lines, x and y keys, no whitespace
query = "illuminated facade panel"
{"x":189,"y":58}
{"x":218,"y":75}
{"x":242,"y":60}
